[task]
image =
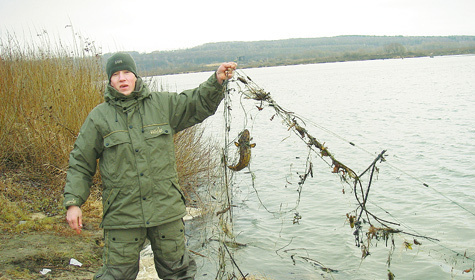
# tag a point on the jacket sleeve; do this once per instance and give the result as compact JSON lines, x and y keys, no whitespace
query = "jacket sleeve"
{"x":195,"y":105}
{"x":82,"y":164}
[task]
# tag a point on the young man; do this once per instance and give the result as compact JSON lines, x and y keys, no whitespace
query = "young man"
{"x":131,"y":134}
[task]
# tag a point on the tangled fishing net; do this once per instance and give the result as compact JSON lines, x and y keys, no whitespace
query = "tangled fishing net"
{"x":368,"y":229}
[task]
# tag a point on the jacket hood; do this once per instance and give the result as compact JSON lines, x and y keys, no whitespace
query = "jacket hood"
{"x":141,"y":91}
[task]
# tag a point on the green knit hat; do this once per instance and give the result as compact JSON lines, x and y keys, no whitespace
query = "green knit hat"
{"x":120,"y":61}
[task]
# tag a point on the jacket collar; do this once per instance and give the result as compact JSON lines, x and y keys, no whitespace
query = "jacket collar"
{"x":141,"y":91}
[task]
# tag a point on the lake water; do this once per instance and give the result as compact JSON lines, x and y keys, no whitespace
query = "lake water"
{"x":420,"y":110}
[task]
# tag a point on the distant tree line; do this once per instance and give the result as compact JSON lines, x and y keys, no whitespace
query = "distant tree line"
{"x":299,"y":51}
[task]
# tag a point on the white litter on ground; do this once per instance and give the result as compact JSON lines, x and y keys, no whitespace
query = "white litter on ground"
{"x":45,"y":271}
{"x":75,"y":262}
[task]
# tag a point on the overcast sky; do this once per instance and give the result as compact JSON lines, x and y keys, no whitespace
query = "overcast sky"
{"x":148,"y":25}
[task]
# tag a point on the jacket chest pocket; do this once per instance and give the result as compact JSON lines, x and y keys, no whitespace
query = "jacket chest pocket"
{"x":116,"y":149}
{"x":159,"y":140}
{"x":155,"y":130}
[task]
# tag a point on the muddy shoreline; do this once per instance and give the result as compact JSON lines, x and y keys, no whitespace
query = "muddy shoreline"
{"x":24,"y":255}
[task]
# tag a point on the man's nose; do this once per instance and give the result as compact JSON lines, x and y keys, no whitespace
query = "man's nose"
{"x":121,"y":76}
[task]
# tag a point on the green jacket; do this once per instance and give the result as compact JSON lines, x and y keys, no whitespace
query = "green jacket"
{"x":132,"y":136}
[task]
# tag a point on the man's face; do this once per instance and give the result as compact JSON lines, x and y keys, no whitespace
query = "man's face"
{"x":123,"y":81}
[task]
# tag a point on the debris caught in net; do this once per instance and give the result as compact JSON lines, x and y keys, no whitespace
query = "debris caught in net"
{"x":368,"y":229}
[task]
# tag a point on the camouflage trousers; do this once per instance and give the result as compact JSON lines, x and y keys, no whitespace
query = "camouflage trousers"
{"x":122,"y":252}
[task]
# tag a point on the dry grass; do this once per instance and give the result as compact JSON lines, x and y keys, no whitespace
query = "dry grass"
{"x":197,"y":162}
{"x":46,"y":94}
